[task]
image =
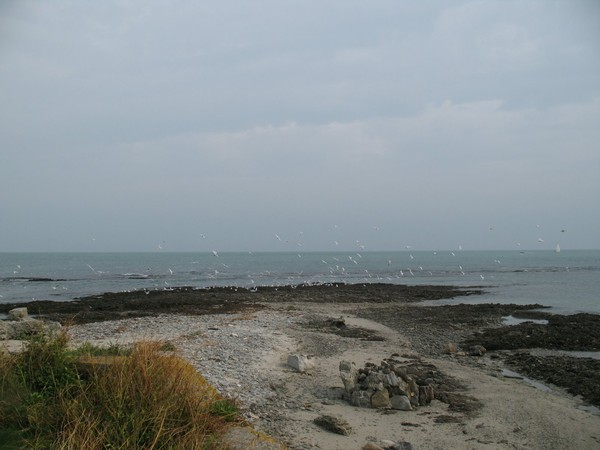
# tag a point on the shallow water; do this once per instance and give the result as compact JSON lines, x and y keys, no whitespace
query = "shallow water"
{"x":568,"y":281}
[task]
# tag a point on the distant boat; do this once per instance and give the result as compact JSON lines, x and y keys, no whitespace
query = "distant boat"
{"x":557,"y":249}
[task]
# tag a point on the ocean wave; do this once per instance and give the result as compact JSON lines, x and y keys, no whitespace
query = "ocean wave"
{"x":136,"y":276}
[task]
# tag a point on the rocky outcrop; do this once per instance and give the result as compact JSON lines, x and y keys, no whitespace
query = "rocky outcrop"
{"x":388,"y":385}
{"x":20,"y":326}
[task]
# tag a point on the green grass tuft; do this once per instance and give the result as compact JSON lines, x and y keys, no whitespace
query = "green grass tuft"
{"x":139,"y":398}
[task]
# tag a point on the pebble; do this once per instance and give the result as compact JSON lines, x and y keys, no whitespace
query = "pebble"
{"x":229,"y":360}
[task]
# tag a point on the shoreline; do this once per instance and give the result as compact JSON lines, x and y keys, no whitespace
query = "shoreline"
{"x":240,"y":341}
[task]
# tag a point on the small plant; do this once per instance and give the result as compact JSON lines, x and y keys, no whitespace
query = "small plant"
{"x":167,"y":347}
{"x":89,"y":349}
{"x":226,"y":409}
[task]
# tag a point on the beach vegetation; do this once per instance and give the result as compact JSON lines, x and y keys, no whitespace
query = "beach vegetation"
{"x":53,"y":397}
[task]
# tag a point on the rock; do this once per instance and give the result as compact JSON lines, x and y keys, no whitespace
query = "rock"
{"x":410,"y":385}
{"x":374,"y":381}
{"x":349,"y":376}
{"x":477,"y":350}
{"x":11,"y":346}
{"x":426,"y":395}
{"x":381,"y":399}
{"x":338,"y":323}
{"x":362,"y":399}
{"x":401,"y":372}
{"x":390,"y":379}
{"x":400,"y":445}
{"x":334,"y":424}
{"x":371,"y":446}
{"x":301,"y":363}
{"x":451,"y":348}
{"x":5,"y":330}
{"x":17,"y":314}
{"x":25,"y":328}
{"x":413,"y":393}
{"x":401,"y":402}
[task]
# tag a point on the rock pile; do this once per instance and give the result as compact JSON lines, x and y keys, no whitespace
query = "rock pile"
{"x":388,"y":385}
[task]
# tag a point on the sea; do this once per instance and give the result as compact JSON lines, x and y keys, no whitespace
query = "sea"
{"x":567,"y":281}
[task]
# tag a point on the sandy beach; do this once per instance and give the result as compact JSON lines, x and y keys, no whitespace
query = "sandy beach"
{"x":240,"y":341}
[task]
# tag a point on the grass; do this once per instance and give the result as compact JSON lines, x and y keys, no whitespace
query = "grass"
{"x":140,"y":398}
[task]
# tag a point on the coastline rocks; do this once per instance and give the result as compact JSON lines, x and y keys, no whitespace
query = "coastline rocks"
{"x":300,"y":363}
{"x":389,"y":385}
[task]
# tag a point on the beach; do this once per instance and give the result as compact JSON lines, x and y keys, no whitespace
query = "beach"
{"x":240,"y":340}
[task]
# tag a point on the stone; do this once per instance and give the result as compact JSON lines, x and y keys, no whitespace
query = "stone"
{"x":477,"y":350}
{"x":5,"y":330}
{"x":300,"y":363}
{"x":426,"y":395}
{"x":26,"y":328}
{"x":338,"y":323}
{"x":374,"y":381}
{"x":410,"y":385}
{"x":17,"y":314}
{"x":371,"y":446}
{"x":401,"y":372}
{"x":362,"y":399}
{"x":401,"y":402}
{"x":349,"y":375}
{"x":334,"y":424}
{"x":381,"y":399}
{"x":390,"y":379}
{"x":413,"y":392}
{"x":12,"y":346}
{"x":451,"y":348}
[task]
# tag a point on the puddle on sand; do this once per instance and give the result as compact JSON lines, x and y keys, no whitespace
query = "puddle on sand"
{"x":536,"y":384}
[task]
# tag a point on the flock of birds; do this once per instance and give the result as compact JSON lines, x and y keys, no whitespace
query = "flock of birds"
{"x":336,"y":268}
{"x":339,"y":266}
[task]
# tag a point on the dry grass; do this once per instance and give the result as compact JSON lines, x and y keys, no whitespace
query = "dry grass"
{"x":146,"y":400}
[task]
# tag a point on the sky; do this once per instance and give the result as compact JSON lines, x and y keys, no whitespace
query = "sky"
{"x":299,"y":125}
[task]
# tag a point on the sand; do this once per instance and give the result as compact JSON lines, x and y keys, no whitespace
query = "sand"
{"x":512,"y":413}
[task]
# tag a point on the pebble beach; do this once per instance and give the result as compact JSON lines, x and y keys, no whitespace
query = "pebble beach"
{"x":240,"y":341}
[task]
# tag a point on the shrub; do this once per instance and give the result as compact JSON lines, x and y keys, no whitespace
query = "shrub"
{"x":146,"y":400}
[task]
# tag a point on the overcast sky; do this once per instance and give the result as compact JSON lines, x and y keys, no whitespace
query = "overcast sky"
{"x":299,"y":125}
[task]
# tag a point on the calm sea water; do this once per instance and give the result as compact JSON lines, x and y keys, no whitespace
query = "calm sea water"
{"x":568,"y":281}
